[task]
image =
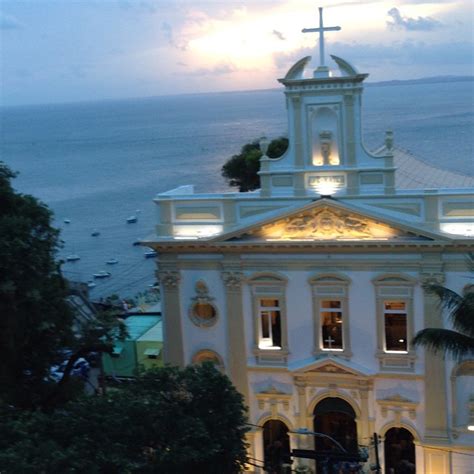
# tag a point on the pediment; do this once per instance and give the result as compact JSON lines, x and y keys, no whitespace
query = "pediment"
{"x":327,"y":220}
{"x":331,"y":366}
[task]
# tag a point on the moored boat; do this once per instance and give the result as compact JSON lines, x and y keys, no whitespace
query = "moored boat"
{"x":73,"y":258}
{"x":150,"y":254}
{"x":111,"y":261}
{"x":95,"y":233}
{"x":132,"y":219}
{"x":102,"y":274}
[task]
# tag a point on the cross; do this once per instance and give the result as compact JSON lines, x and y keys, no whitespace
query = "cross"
{"x":321,"y":31}
{"x":329,"y":340}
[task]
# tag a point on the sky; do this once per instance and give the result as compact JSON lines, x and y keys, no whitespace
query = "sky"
{"x":54,"y":51}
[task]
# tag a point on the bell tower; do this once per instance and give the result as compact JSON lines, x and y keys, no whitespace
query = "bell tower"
{"x":326,"y":154}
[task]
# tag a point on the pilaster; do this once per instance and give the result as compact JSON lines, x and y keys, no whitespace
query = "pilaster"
{"x":436,"y":420}
{"x":172,"y":326}
{"x":237,"y":353}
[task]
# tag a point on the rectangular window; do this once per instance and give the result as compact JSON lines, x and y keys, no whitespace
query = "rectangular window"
{"x":270,"y":324}
{"x":395,"y":319}
{"x":331,"y":325}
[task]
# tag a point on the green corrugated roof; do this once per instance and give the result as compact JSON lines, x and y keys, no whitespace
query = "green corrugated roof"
{"x":155,"y":333}
{"x":139,"y":325}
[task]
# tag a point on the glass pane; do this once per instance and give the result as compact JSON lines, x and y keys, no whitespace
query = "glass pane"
{"x":265,"y":317}
{"x":395,"y":305}
{"x":269,"y":303}
{"x":396,"y":332}
{"x":276,"y":329}
{"x":331,"y":330}
{"x":330,"y":304}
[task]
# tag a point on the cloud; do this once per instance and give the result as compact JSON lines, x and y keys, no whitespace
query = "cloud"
{"x":168,"y":33}
{"x":218,"y":70}
{"x":411,"y":24}
{"x":8,"y":22}
{"x":279,"y":35}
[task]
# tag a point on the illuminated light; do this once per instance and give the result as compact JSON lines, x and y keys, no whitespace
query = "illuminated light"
{"x":470,"y":427}
{"x":327,"y":188}
{"x":458,"y":228}
{"x":401,"y":340}
{"x":189,"y":232}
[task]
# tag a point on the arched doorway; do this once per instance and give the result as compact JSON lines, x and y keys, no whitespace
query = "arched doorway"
{"x":399,"y":452}
{"x":335,"y":418}
{"x":276,"y":446}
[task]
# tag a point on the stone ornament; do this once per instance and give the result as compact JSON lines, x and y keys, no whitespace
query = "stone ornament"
{"x":202,"y":311}
{"x":232,"y":280}
{"x":169,"y":279}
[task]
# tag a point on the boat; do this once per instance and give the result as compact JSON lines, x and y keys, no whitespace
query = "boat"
{"x":111,"y":261}
{"x":91,"y":284}
{"x":132,"y":219}
{"x":136,"y":243}
{"x":150,"y":254}
{"x":102,"y":274}
{"x":95,"y":233}
{"x":67,"y":221}
{"x":73,"y":258}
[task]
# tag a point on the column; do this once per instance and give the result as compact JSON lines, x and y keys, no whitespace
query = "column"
{"x":436,"y":422}
{"x":172,"y":327}
{"x":237,"y":350}
{"x":257,"y":451}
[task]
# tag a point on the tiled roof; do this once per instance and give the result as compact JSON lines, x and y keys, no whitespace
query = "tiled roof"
{"x":414,"y":173}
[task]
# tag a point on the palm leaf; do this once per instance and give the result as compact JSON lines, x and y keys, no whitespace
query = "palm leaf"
{"x":445,"y":340}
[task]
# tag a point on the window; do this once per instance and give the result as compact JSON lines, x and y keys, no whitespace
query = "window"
{"x":269,"y":312}
{"x":208,"y":355}
{"x":395,"y":320}
{"x":270,"y":324}
{"x":331,"y":316}
{"x":331,"y":325}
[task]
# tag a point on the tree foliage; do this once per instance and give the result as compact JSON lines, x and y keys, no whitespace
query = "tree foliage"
{"x":242,"y":170}
{"x":166,"y":421}
{"x":459,"y":341}
{"x":37,"y":329}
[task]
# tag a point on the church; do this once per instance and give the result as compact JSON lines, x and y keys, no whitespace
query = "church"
{"x":307,"y":292}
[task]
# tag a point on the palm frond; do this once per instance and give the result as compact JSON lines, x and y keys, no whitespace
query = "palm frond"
{"x":448,"y":299}
{"x":450,"y":342}
{"x":462,"y":318}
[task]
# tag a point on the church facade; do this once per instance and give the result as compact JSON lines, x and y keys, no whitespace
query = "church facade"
{"x":308,"y":292}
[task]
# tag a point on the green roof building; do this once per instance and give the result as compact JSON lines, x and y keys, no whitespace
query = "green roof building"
{"x":141,"y":349}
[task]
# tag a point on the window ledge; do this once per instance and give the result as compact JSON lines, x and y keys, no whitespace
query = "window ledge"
{"x":396,"y":361}
{"x":271,"y":356}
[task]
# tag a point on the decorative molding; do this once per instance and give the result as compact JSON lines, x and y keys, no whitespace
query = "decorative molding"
{"x":232,"y":280}
{"x":202,"y":298}
{"x":273,"y":397}
{"x":169,"y":279}
{"x":397,"y":404}
{"x":432,"y":278}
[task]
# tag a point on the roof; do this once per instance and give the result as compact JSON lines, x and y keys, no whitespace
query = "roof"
{"x":155,"y":333}
{"x":414,"y":173}
{"x":139,"y":325}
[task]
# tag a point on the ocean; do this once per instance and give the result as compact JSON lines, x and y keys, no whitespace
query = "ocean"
{"x":97,"y":163}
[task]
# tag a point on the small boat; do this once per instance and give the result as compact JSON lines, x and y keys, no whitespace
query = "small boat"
{"x":95,"y":233}
{"x":150,"y":254}
{"x":67,"y":221}
{"x":111,"y":261}
{"x":91,"y":284}
{"x":102,"y":274}
{"x":132,"y":219}
{"x":73,"y":258}
{"x":136,"y":243}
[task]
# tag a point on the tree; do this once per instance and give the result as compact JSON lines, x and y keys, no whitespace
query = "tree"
{"x":166,"y":421}
{"x":456,"y":342}
{"x":36,"y":323}
{"x":242,"y":170}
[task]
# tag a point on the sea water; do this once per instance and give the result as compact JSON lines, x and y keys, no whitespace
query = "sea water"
{"x":98,"y":163}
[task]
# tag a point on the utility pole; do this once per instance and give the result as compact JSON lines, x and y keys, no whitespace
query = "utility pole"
{"x":376,"y":446}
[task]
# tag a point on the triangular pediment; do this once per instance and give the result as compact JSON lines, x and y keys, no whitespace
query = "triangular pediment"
{"x":328,"y":220}
{"x":332,"y":366}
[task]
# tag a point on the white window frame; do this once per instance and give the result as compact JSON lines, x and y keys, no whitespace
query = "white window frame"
{"x":263,"y":342}
{"x":395,"y":311}
{"x":330,"y":287}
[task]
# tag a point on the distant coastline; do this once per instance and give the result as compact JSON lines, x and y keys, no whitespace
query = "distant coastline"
{"x":422,"y":80}
{"x":395,"y":82}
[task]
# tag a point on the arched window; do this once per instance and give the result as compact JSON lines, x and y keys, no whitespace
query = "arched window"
{"x":207,"y":355}
{"x":399,"y":452}
{"x":336,"y":418}
{"x":276,"y":446}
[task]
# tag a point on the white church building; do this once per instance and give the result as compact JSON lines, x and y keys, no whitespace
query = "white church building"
{"x":308,"y":292}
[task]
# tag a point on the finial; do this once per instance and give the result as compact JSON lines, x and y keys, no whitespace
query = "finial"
{"x":264,"y":143}
{"x":389,"y":139}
